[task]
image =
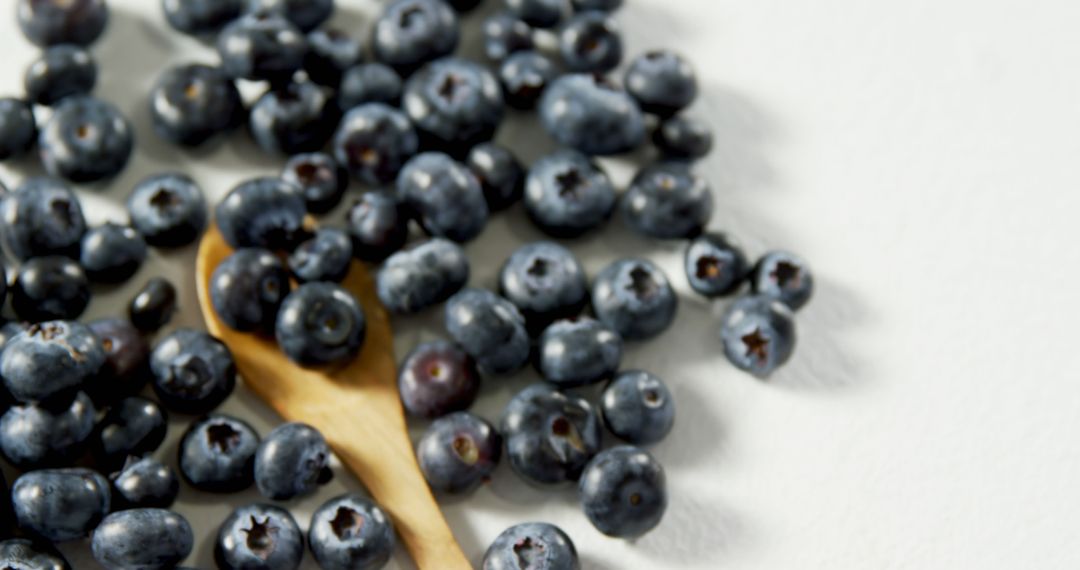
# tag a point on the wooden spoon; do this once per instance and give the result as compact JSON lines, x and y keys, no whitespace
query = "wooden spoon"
{"x":356,"y":407}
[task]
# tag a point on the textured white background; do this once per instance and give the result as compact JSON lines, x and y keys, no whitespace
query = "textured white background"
{"x":923,"y":156}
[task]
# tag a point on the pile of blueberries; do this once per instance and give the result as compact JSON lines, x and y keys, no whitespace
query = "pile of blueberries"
{"x":415,"y":123}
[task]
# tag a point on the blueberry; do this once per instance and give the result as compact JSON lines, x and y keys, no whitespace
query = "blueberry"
{"x":410,"y":33}
{"x":458,"y":452}
{"x":538,"y":13}
{"x":445,"y":195}
{"x":566,"y":194}
{"x":634,"y":297}
{"x":59,"y":505}
{"x":306,"y":14}
{"x":247,"y":289}
{"x":714,"y":265}
{"x":550,"y":436}
{"x":262,"y":212}
{"x":325,"y":257}
{"x":144,"y":483}
{"x":490,"y":329}
{"x":262,"y":46}
{"x":320,"y":323}
{"x":535,"y":545}
{"x":351,"y":533}
{"x":9,"y":329}
{"x":785,"y":277}
{"x":415,"y":279}
{"x":602,"y":5}
{"x":638,"y":408}
{"x":50,"y":359}
{"x":50,"y":288}
{"x":464,"y":5}
{"x":505,"y":34}
{"x":319,"y":177}
{"x":134,"y":426}
{"x":153,"y":306}
{"x":293,"y":118}
{"x":42,"y":217}
{"x":291,"y":462}
{"x":33,"y":436}
{"x":217,"y":454}
{"x":546,"y":282}
{"x":662,"y":82}
{"x":683,"y":138}
{"x":378,"y":225}
{"x":112,"y":253}
{"x":142,"y":538}
{"x":499,"y":172}
{"x":330,"y":53}
{"x":259,"y":536}
{"x":369,"y":83}
{"x":373,"y":141}
{"x":623,"y":492}
{"x":524,"y":75}
{"x":169,"y":210}
{"x":591,"y":41}
{"x":23,"y":554}
{"x":437,"y":378}
{"x":200,"y":17}
{"x":193,"y":371}
{"x":577,"y":352}
{"x":50,"y":22}
{"x":667,"y":201}
{"x":758,"y":333}
{"x":454,"y":103}
{"x":18,"y":128}
{"x":86,"y":140}
{"x":61,"y":71}
{"x":590,"y":114}
{"x":127,"y":360}
{"x":191,"y":104}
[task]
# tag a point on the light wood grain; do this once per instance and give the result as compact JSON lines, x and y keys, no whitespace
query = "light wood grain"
{"x":355,"y":406}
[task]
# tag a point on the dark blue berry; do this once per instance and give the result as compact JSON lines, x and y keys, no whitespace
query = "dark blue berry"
{"x":535,"y":545}
{"x":154,"y":305}
{"x":638,"y":408}
{"x":259,"y":536}
{"x":262,"y":212}
{"x":305,"y":14}
{"x":23,"y":554}
{"x":458,"y":452}
{"x":193,"y":371}
{"x":550,"y":436}
{"x":42,"y":217}
{"x":591,"y":41}
{"x":714,"y":265}
{"x":50,"y":359}
{"x":169,"y":210}
{"x":623,"y":492}
{"x":662,"y":82}
{"x":785,"y":277}
{"x":603,"y":5}
{"x":320,"y":323}
{"x":683,"y":138}
{"x":330,"y":53}
{"x":291,"y":462}
{"x":505,"y":34}
{"x":464,"y":5}
{"x":134,"y":426}
{"x":667,"y":201}
{"x":59,"y":505}
{"x":200,"y":17}
{"x":294,"y":118}
{"x":758,"y":333}
{"x":373,"y":141}
{"x":127,"y":360}
{"x":499,"y":172}
{"x":351,"y":533}
{"x":369,"y":83}
{"x":61,"y":71}
{"x":9,"y":330}
{"x":217,"y":454}
{"x":112,"y":253}
{"x":191,"y":104}
{"x":437,"y":378}
{"x":524,"y":75}
{"x":325,"y":257}
{"x":247,"y":288}
{"x":490,"y":329}
{"x":319,"y":177}
{"x":86,"y":140}
{"x":589,"y":113}
{"x":33,"y":436}
{"x":634,"y":297}
{"x":538,"y":13}
{"x":567,"y":194}
{"x":262,"y":46}
{"x":410,"y":33}
{"x":51,"y":22}
{"x":142,"y":538}
{"x":454,"y":103}
{"x":18,"y":128}
{"x":144,"y":483}
{"x":417,"y":278}
{"x":50,"y":288}
{"x":546,"y":282}
{"x":577,"y":352}
{"x":445,"y":195}
{"x":378,"y":225}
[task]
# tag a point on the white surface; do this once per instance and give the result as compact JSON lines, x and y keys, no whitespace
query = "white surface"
{"x":923,"y":156}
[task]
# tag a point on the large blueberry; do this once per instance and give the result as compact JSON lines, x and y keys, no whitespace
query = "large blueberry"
{"x":458,"y":452}
{"x":534,"y":545}
{"x":454,"y":103}
{"x":758,"y":333}
{"x":662,"y":82}
{"x":133,"y":426}
{"x":24,"y":554}
{"x":293,"y":118}
{"x":50,"y":359}
{"x":634,"y":297}
{"x":112,"y":253}
{"x":505,"y":34}
{"x":50,"y":288}
{"x":127,"y":360}
{"x":60,"y":72}
{"x":86,"y":140}
{"x":490,"y":329}
{"x":143,"y":539}
{"x":262,"y":212}
{"x":351,"y":533}
{"x":785,"y":277}
{"x":576,"y":352}
{"x":18,"y":128}
{"x":247,"y":289}
{"x":410,"y":33}
{"x":369,"y":83}
{"x":683,"y":138}
{"x":550,"y":435}
{"x":42,"y":217}
{"x":217,"y":454}
{"x":591,"y":42}
{"x":567,"y":194}
{"x":637,"y":407}
{"x":715,"y":266}
{"x":378,"y":224}
{"x":60,"y":504}
{"x":191,"y":104}
{"x":33,"y":436}
{"x":546,"y":282}
{"x":445,"y":195}
{"x":325,"y":257}
{"x":169,"y":210}
{"x":262,"y":46}
{"x":429,"y":273}
{"x":306,"y":14}
{"x":51,"y":22}
{"x":320,"y":323}
{"x":259,"y":536}
{"x":667,"y":201}
{"x":499,"y":172}
{"x":524,"y":75}
{"x":623,"y":492}
{"x":437,"y":378}
{"x":330,"y":53}
{"x":144,"y":483}
{"x":291,"y":462}
{"x":373,"y":141}
{"x":591,"y":114}
{"x":193,"y":371}
{"x":199,"y":17}
{"x":319,"y":177}
{"x":538,"y":13}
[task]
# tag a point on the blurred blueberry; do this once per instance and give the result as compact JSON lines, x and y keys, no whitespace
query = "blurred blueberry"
{"x":319,"y":177}
{"x":293,"y":118}
{"x":550,"y":436}
{"x":50,"y":288}
{"x":169,"y":210}
{"x":351,"y":533}
{"x":373,"y":141}
{"x":490,"y":329}
{"x":144,"y":483}
{"x":590,"y":114}
{"x":33,"y":436}
{"x":638,"y":407}
{"x":603,"y":5}
{"x":259,"y":536}
{"x":662,"y":82}
{"x":217,"y":454}
{"x":42,"y":217}
{"x":18,"y":128}
{"x":291,"y":462}
{"x":262,"y":212}
{"x":437,"y":378}
{"x":86,"y":140}
{"x":193,"y":103}
{"x":133,"y":426}
{"x":410,"y":33}
{"x":247,"y":288}
{"x":369,"y":83}
{"x":785,"y":277}
{"x":193,"y":371}
{"x":454,"y":103}
{"x":261,"y":46}
{"x":153,"y":306}
{"x":577,"y":352}
{"x":60,"y":72}
{"x":50,"y":359}
{"x":416,"y":278}
{"x":112,"y":253}
{"x":199,"y":17}
{"x":505,"y":34}
{"x":546,"y":282}
{"x":142,"y":538}
{"x":330,"y":53}
{"x":758,"y":333}
{"x":458,"y":452}
{"x":306,"y":14}
{"x":50,"y":22}
{"x":320,"y":323}
{"x":541,"y":546}
{"x":127,"y":360}
{"x":623,"y":492}
{"x":59,"y":505}
{"x":445,"y":195}
{"x":325,"y":257}
{"x":24,"y":554}
{"x":591,"y":42}
{"x":524,"y":75}
{"x":378,"y":225}
{"x":567,"y":194}
{"x":538,"y":13}
{"x":499,"y":172}
{"x":683,"y":138}
{"x":634,"y":297}
{"x":714,"y":265}
{"x":667,"y":201}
